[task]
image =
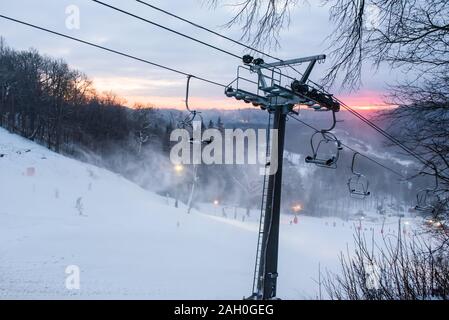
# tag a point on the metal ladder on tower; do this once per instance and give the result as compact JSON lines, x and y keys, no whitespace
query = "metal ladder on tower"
{"x":257,"y":265}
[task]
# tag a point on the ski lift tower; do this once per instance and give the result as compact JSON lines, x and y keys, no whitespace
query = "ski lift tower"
{"x":278,"y":94}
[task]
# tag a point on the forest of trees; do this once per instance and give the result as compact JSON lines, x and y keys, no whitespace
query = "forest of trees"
{"x":44,"y":100}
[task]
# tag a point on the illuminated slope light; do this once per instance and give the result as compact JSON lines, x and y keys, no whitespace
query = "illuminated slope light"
{"x":179,"y":168}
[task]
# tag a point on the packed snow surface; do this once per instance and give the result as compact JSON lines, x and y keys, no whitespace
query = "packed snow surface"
{"x":127,"y":242}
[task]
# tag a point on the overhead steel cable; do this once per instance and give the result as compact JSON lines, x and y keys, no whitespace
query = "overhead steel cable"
{"x":376,"y":127}
{"x":198,"y":40}
{"x":376,"y":162}
{"x":388,"y":136}
{"x":215,"y":33}
{"x":112,"y":50}
{"x":355,"y":113}
{"x":207,"y":29}
{"x":352,"y":149}
{"x":167,"y":29}
{"x":192,"y":38}
{"x":197,"y":26}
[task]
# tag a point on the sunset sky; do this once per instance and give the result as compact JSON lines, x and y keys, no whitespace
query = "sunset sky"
{"x":138,"y":82}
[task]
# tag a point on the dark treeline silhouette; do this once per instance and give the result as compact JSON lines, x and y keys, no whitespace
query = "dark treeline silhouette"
{"x":44,"y":100}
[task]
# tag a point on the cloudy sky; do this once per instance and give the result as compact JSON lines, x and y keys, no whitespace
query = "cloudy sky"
{"x":136,"y":81}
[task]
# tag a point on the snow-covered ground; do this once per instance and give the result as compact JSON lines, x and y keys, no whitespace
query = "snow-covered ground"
{"x":130,"y":243}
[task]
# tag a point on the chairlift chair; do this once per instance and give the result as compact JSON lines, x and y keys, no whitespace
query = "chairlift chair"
{"x":187,"y":122}
{"x":192,"y":114}
{"x":427,"y":200}
{"x":358,"y":184}
{"x":317,"y":157}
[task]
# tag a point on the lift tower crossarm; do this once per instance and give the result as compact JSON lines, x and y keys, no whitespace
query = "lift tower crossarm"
{"x":293,"y":62}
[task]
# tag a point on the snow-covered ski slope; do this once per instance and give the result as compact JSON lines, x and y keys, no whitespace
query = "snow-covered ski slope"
{"x":130,"y":243}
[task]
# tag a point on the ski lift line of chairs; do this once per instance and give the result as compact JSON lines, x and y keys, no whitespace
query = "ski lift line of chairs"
{"x":192,"y":114}
{"x":326,"y":137}
{"x":358,"y":184}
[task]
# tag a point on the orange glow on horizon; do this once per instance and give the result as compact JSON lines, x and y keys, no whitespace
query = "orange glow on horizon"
{"x":127,"y":87}
{"x":179,"y":102}
{"x":363,"y":103}
{"x":366,"y":100}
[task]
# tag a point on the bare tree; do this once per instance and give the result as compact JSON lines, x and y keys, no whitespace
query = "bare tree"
{"x":396,"y":269}
{"x":260,"y":20}
{"x":421,"y":121}
{"x":44,"y":99}
{"x":144,"y":118}
{"x":409,"y":34}
{"x":405,"y":34}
